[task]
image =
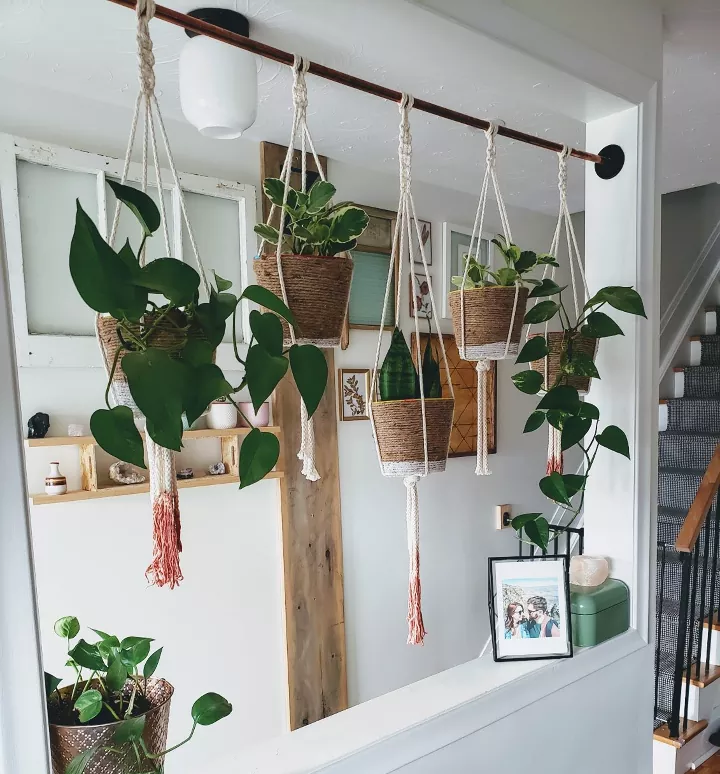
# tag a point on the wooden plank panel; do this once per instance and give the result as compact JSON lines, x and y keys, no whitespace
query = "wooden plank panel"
{"x":88,"y":467}
{"x":230,"y":454}
{"x":312,"y":551}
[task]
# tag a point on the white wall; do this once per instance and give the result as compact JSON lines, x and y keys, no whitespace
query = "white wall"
{"x":229,"y":609}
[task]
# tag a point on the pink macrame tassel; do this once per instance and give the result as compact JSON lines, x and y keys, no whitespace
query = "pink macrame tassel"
{"x":555,"y":455}
{"x":164,"y":569}
{"x":416,"y":627}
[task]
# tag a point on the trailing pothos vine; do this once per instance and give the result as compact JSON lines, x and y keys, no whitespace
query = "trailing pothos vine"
{"x":577,"y":420}
{"x":167,"y":350}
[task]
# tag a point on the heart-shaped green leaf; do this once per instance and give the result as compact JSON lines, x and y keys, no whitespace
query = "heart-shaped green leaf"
{"x":580,"y":364}
{"x":116,"y":675}
{"x":114,"y":429}
{"x":613,"y":438}
{"x":310,"y":371}
{"x":588,"y":411}
{"x":520,"y":521}
{"x":562,"y":397}
{"x":210,"y":708}
{"x":264,"y":297}
{"x":535,"y":348}
{"x":151,"y":665}
{"x":534,"y":421}
{"x":268,"y":331}
{"x":546,"y":288}
{"x":599,"y":325}
{"x":197,"y":352}
{"x":175,"y":280}
{"x":556,"y":418}
{"x":220,"y":283}
{"x":622,"y":298}
{"x":206,"y":384}
{"x":140,"y":204}
{"x":67,"y":627}
{"x":574,"y":430}
{"x":134,"y":650}
{"x":51,"y":683}
{"x":526,"y":261}
{"x":538,"y":531}
{"x":158,"y":384}
{"x":573,"y":483}
{"x":89,"y":704}
{"x":553,"y":486}
{"x":130,"y":730}
{"x":87,"y":656}
{"x":258,"y":456}
{"x":545,"y":310}
{"x":263,"y":373}
{"x":529,"y":382}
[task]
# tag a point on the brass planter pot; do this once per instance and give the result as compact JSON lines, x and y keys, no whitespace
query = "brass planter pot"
{"x":318,"y":293}
{"x":488,"y":314}
{"x":66,"y":742}
{"x":399,"y":431}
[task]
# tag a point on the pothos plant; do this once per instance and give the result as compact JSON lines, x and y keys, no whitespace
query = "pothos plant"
{"x":518,"y":263}
{"x":167,"y":349}
{"x":313,"y":225}
{"x":577,"y":420}
{"x":110,"y":684}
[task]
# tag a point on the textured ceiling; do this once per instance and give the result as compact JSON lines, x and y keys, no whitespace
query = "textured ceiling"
{"x":87,"y":47}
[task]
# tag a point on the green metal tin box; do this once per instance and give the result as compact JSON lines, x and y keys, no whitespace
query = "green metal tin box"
{"x":599,"y":612}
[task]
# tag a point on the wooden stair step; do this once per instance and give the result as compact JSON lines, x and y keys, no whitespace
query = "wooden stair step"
{"x":711,"y":765}
{"x":715,"y":622}
{"x":707,"y":676}
{"x":694,"y":727}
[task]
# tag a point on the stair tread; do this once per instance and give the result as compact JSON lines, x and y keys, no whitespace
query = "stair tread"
{"x":694,"y":728}
{"x":707,"y":677}
{"x":711,"y":765}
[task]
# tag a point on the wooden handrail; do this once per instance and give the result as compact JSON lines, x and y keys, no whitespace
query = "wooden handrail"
{"x":695,"y":519}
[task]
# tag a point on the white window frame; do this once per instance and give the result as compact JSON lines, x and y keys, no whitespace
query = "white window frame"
{"x":67,"y":351}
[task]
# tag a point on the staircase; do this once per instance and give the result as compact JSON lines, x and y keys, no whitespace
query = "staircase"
{"x":687,"y":662}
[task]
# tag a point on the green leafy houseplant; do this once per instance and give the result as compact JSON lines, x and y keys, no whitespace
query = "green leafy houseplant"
{"x":167,"y":351}
{"x":313,"y":225}
{"x":111,"y":685}
{"x":398,"y":378}
{"x":518,"y":263}
{"x":561,"y":406}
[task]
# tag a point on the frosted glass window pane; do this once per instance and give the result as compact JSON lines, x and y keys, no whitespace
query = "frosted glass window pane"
{"x":129,"y":227}
{"x":367,"y":290}
{"x":216,"y":228}
{"x":47,"y":219}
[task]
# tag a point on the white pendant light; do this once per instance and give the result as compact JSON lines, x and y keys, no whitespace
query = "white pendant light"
{"x":218,"y":83}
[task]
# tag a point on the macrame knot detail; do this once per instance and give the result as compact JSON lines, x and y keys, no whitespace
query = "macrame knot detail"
{"x":146,"y":57}
{"x":405,"y":144}
{"x":483,"y":365}
{"x":299,"y":90}
{"x":491,"y":152}
{"x":562,"y":172}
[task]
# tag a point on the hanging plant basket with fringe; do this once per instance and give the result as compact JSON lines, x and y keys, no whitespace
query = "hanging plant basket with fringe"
{"x":399,"y":430}
{"x":318,"y":293}
{"x":488,"y":316}
{"x":549,"y":366}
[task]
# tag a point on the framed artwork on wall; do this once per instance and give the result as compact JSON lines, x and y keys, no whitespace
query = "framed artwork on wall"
{"x":353,"y":393}
{"x":420,"y":297}
{"x":463,"y":437}
{"x":456,"y":244}
{"x":426,"y":236}
{"x":529,"y":604}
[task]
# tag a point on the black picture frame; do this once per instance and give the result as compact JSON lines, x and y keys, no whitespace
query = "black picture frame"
{"x":493,"y":613}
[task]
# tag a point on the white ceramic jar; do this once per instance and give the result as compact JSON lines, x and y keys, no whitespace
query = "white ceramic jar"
{"x":55,"y":482}
{"x":222,"y":416}
{"x":261,"y":418}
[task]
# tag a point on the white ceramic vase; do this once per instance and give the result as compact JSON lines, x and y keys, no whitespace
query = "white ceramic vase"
{"x":261,"y":418}
{"x":222,"y":416}
{"x":55,"y":482}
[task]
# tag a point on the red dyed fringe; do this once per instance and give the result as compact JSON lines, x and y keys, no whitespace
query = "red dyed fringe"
{"x":555,"y":465}
{"x":164,"y":570}
{"x":416,"y":627}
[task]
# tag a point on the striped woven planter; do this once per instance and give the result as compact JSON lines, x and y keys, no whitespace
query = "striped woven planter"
{"x":549,"y":366}
{"x":318,"y":293}
{"x":399,"y":431}
{"x":488,"y":313}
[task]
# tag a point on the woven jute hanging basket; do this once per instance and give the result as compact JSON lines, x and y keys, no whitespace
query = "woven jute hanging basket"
{"x":399,"y":429}
{"x":549,"y":366}
{"x":66,"y":742}
{"x":488,"y":316}
{"x":318,"y":293}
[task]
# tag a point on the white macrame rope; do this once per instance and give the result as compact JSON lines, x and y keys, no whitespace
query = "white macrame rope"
{"x":481,"y":465}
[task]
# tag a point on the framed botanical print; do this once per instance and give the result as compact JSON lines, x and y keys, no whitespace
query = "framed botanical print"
{"x":353,"y":393}
{"x":529,"y":603}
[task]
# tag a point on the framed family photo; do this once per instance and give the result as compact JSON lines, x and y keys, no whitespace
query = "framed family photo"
{"x":529,"y":601}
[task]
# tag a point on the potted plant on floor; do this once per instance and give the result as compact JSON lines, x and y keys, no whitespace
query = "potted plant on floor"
{"x":561,"y":406}
{"x":493,"y":301}
{"x":160,"y":357}
{"x":113,"y":717}
{"x":316,"y":265}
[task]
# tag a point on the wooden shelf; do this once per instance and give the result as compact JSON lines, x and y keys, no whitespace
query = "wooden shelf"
{"x":91,"y":489}
{"x":84,"y":440}
{"x":121,"y":490}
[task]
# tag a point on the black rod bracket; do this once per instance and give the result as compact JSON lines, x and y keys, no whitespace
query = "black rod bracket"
{"x":613,"y":157}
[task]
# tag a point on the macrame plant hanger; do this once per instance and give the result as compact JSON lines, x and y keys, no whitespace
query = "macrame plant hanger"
{"x":503,"y":351}
{"x":406,"y":219}
{"x":299,"y":130}
{"x":165,"y":566}
{"x":555,"y":462}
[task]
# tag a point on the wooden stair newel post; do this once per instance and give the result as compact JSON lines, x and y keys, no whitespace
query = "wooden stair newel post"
{"x":312,"y":555}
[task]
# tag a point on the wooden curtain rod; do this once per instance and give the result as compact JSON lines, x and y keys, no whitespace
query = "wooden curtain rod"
{"x":269,"y":52}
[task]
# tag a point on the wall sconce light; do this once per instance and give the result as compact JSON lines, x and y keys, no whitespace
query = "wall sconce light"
{"x":218,"y":83}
